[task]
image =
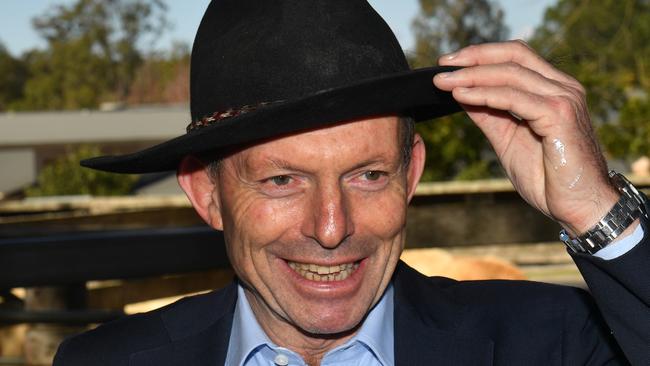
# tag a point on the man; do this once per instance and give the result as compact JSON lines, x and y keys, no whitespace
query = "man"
{"x":302,"y":151}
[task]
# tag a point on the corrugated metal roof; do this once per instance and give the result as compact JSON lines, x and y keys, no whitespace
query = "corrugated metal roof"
{"x":141,"y":124}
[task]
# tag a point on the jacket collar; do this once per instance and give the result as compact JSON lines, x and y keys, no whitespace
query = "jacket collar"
{"x":194,"y":340}
{"x":427,"y":324}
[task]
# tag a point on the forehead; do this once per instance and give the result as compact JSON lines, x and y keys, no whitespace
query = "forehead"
{"x":356,"y":139}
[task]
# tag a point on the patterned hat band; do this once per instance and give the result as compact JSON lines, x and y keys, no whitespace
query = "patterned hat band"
{"x":228,"y":113}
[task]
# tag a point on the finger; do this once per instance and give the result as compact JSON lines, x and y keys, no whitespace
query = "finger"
{"x":533,"y":108}
{"x":511,"y":51}
{"x":498,"y":126}
{"x":507,"y":74}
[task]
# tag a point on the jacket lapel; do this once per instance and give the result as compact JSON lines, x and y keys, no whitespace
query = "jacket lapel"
{"x":427,"y":320}
{"x":195,"y":340}
{"x":426,"y":328}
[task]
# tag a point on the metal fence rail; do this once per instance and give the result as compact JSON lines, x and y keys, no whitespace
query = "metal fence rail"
{"x":72,"y":258}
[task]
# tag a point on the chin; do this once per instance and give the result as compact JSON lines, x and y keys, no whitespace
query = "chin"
{"x":331,"y":330}
{"x":332,"y":324}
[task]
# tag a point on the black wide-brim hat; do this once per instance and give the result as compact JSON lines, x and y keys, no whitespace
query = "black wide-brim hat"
{"x":267,"y":68}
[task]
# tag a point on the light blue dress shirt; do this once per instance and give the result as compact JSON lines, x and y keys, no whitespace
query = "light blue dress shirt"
{"x":617,"y":249}
{"x":371,"y":346}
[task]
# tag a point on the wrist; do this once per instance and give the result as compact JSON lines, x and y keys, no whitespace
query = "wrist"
{"x":618,"y":221}
{"x":592,"y":212}
{"x":627,"y":232}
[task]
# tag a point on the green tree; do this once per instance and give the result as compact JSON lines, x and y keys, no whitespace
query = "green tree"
{"x":455,"y":146}
{"x":163,"y":77}
{"x":66,"y":76}
{"x":605,"y":45}
{"x":66,"y":177}
{"x":93,"y":53}
{"x":13,"y":73}
{"x":629,"y":136}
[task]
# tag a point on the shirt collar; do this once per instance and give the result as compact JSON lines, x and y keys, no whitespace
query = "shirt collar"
{"x":246,"y":335}
{"x":377,"y":329}
{"x":376,"y":332}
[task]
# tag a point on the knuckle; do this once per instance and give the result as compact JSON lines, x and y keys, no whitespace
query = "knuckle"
{"x":471,"y":48}
{"x":577,"y":94}
{"x":520,"y":44}
{"x":565,"y":107}
{"x":579,"y":88}
{"x":574,"y":84}
{"x":514,"y":95}
{"x":513,"y":67}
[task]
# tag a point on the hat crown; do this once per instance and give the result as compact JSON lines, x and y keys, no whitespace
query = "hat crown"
{"x":248,"y":52}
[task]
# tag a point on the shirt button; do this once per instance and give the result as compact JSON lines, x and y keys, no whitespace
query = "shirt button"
{"x":281,"y":360}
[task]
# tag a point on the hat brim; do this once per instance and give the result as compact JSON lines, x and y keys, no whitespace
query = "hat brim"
{"x":409,"y":93}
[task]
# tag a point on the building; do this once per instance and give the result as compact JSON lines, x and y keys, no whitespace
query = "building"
{"x":31,"y":140}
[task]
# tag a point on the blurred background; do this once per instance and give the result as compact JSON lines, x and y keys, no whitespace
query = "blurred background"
{"x":80,"y":78}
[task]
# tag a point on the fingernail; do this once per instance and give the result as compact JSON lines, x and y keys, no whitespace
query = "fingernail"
{"x":462,"y":90}
{"x":450,"y":56}
{"x":444,"y":75}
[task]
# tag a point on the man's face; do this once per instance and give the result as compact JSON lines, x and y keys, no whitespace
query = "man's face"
{"x":314,"y":222}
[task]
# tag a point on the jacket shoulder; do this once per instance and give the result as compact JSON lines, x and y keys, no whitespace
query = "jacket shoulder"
{"x":113,"y":343}
{"x":522,"y":318}
{"x":497,"y":294}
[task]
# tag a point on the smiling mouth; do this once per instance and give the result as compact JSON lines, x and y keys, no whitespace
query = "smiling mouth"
{"x":315,"y":272}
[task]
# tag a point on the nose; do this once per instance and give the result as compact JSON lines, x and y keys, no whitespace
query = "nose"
{"x":330,"y":221}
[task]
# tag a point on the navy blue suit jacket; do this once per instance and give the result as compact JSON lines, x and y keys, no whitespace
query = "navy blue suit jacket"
{"x":438,"y":321}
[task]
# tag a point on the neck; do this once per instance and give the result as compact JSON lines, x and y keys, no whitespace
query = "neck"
{"x":311,"y":347}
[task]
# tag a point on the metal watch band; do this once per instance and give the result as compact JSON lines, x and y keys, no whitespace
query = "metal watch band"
{"x":629,"y":207}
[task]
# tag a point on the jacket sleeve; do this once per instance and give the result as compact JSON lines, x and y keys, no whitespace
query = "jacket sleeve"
{"x":58,"y":357}
{"x":621,"y":288}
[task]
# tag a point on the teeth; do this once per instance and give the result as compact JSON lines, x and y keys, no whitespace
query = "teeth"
{"x":314,"y":272}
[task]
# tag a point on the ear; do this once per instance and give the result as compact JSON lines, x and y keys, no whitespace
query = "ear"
{"x":416,"y":166}
{"x":199,"y":187}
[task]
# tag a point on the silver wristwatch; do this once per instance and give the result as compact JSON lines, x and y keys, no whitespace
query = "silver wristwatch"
{"x":629,"y":207}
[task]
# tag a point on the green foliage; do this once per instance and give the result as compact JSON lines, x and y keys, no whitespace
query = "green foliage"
{"x":456,"y":148}
{"x":66,"y":177}
{"x":93,"y":52}
{"x":605,"y":46}
{"x":163,"y":78}
{"x":451,"y":146}
{"x":66,"y":76}
{"x":446,"y":25}
{"x":629,"y":136}
{"x":13,"y":74}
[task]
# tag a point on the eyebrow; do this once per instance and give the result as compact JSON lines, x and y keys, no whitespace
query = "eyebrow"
{"x":285,"y":165}
{"x":281,"y":163}
{"x":369,"y":162}
{"x":274,"y":162}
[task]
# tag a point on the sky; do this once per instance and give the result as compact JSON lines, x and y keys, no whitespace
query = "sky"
{"x":17,"y":34}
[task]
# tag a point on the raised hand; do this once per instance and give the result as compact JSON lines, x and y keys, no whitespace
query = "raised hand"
{"x":536,"y":119}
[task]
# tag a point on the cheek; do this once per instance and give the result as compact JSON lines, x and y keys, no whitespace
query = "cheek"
{"x":383,"y":215}
{"x":268,"y":220}
{"x":252,"y":228}
{"x":251,"y":223}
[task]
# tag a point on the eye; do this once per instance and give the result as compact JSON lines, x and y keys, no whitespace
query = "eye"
{"x":283,"y":185}
{"x":373,"y":175}
{"x":280,"y":180}
{"x":370,"y":180}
